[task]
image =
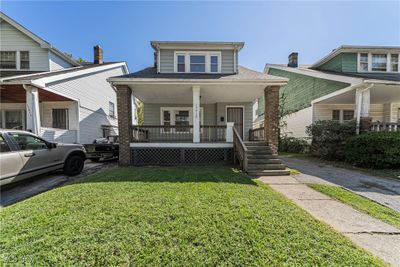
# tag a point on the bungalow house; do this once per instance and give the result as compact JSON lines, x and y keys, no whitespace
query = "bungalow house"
{"x":198,"y":109}
{"x":47,"y":92}
{"x":360,"y":83}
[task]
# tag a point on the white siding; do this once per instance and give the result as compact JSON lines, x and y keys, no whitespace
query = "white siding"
{"x":395,"y":117}
{"x":296,"y":123}
{"x":94,"y":94}
{"x":57,"y":63}
{"x":12,"y":39}
{"x":324,"y":111}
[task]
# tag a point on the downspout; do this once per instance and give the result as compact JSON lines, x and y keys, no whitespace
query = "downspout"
{"x":158,"y":59}
{"x":358,"y":118}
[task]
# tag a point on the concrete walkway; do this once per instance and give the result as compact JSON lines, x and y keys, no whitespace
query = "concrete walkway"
{"x":382,"y":190}
{"x":373,"y":235}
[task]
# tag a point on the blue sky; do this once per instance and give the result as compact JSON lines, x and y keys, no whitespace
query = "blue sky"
{"x":271,"y":30}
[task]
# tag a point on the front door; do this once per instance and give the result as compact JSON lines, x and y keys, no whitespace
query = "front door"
{"x":235,"y":115}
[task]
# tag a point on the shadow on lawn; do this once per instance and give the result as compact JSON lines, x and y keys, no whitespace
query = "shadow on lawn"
{"x":201,"y":174}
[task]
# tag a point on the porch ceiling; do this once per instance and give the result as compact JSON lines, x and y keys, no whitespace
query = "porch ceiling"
{"x":16,"y":94}
{"x":182,"y":94}
{"x":380,"y":94}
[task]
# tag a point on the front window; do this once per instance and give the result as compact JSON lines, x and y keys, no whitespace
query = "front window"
{"x":364,"y":62}
{"x":182,"y":119}
{"x":394,"y":62}
{"x":60,"y":118}
{"x":336,"y":115}
{"x":13,"y":119}
{"x":24,"y":60}
{"x":379,"y":62}
{"x":214,"y":64}
{"x":348,"y":115}
{"x":8,"y":60}
{"x":197,"y":63}
{"x":181,"y":63}
{"x":28,"y":142}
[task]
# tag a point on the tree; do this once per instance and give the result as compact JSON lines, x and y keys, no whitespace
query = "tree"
{"x":140,"y":112}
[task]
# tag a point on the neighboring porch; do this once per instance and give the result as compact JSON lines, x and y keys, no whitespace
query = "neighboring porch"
{"x":49,"y":115}
{"x":375,"y":107}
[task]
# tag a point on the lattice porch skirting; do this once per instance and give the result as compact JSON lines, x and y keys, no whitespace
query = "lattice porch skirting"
{"x":180,"y":156}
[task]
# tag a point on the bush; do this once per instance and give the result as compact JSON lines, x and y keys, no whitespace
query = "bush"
{"x":293,"y":145}
{"x":329,"y":138}
{"x":374,"y":150}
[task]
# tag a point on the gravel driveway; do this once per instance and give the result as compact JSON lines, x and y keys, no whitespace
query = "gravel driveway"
{"x":382,"y":190}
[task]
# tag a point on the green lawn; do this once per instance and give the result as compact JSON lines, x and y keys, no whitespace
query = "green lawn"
{"x":169,"y":216}
{"x":360,"y":203}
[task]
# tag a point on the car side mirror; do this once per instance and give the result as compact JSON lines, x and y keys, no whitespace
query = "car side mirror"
{"x":51,"y":145}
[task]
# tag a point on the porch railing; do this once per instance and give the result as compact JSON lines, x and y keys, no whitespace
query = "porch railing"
{"x":385,"y":127}
{"x":174,"y":133}
{"x":240,"y":150}
{"x":257,"y":134}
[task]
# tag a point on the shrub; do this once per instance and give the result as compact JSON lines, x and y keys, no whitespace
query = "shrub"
{"x":329,"y":137}
{"x":293,"y":145}
{"x":374,"y":150}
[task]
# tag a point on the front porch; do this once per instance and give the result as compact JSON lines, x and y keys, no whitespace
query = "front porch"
{"x":51,"y":116}
{"x":194,"y":121}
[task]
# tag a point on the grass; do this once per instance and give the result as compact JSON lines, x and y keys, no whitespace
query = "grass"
{"x":387,"y":173}
{"x":360,"y":203}
{"x":169,"y":216}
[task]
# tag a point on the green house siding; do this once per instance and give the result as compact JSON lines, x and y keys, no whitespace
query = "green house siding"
{"x":301,"y":90}
{"x":344,"y":62}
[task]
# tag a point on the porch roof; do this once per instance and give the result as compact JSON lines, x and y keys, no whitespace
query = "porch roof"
{"x":152,"y":87}
{"x":16,"y":94}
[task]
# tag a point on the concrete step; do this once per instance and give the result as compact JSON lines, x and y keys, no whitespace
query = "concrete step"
{"x":269,"y":173}
{"x":261,"y":167}
{"x":264,"y":161}
{"x":261,"y":156}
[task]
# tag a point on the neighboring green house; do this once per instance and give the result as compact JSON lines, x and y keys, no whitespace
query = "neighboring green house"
{"x":351,"y":82}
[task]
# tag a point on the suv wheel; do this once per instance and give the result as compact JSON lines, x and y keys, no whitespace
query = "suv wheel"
{"x":74,"y":165}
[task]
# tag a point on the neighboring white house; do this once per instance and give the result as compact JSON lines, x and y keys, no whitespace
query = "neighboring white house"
{"x":360,"y":83}
{"x":47,"y":92}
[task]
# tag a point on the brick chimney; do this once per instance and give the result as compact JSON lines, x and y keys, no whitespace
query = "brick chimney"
{"x":293,"y":60}
{"x":98,"y":55}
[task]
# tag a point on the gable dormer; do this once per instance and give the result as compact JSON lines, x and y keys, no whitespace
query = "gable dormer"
{"x":196,"y":57}
{"x":361,"y":59}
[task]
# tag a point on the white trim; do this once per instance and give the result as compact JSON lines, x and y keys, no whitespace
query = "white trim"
{"x":336,"y":93}
{"x":206,"y":54}
{"x":183,"y":145}
{"x":235,"y":106}
{"x":147,"y":81}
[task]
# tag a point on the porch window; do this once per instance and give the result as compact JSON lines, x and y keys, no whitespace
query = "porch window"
{"x":198,"y":63}
{"x":379,"y":62}
{"x":166,"y":120}
{"x":182,"y":119}
{"x":348,"y":115}
{"x":179,"y":116}
{"x":8,"y":60}
{"x":181,"y":63}
{"x":394,"y":62}
{"x":24,"y":60}
{"x":60,"y":118}
{"x":364,"y":61}
{"x":336,"y":115}
{"x":13,"y":119}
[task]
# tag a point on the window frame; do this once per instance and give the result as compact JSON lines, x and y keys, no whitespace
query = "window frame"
{"x":341,"y":115}
{"x":20,"y":60}
{"x":16,"y":59}
{"x":388,"y":61}
{"x":187,"y":55}
{"x":111,"y":104}
{"x":66,"y":118}
{"x":172,"y":115}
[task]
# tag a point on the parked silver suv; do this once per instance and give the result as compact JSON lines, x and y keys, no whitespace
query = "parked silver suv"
{"x":24,"y":155}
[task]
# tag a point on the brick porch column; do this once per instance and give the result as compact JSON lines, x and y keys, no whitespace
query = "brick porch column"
{"x":124,"y":107}
{"x":271,"y":116}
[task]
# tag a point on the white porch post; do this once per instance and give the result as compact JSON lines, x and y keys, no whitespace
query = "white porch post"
{"x":196,"y":114}
{"x":229,"y":132}
{"x":32,"y":109}
{"x":363,"y":101}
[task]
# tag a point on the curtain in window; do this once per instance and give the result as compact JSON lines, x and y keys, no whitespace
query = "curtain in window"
{"x":60,"y":118}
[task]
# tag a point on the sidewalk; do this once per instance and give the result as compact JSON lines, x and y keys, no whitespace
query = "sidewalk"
{"x":373,"y":235}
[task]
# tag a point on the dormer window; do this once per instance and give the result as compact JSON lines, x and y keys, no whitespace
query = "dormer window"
{"x":197,"y":62}
{"x":378,"y":62}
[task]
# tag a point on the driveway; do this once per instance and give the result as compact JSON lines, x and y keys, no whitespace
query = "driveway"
{"x":13,"y":193}
{"x":382,"y":190}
